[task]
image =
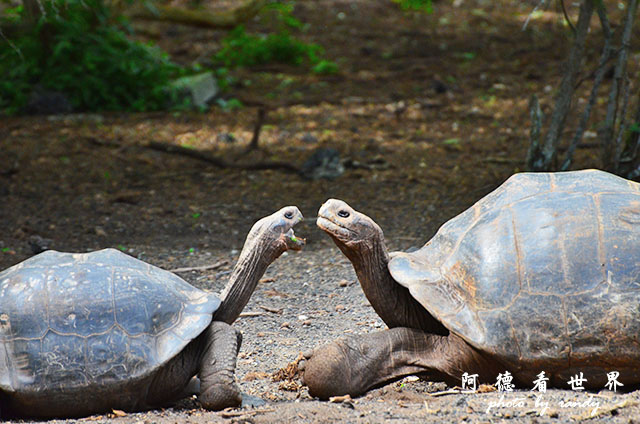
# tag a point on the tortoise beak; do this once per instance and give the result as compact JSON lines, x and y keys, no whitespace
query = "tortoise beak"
{"x":292,"y":242}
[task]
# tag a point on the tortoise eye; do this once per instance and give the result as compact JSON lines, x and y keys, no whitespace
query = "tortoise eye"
{"x":343,"y":214}
{"x":288,"y":215}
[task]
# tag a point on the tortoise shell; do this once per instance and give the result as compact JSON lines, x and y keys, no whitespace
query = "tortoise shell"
{"x":546,"y":267}
{"x":71,"y":320}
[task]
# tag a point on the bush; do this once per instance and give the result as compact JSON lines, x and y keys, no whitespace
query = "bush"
{"x":242,"y":49}
{"x":78,"y":50}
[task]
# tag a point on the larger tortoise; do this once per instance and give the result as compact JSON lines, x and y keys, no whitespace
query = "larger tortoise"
{"x":87,"y":333}
{"x":543,"y":274}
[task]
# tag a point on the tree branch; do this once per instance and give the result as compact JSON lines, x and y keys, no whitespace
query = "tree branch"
{"x":546,"y":161}
{"x":535,"y":114}
{"x":623,"y":123}
{"x":599,"y":77}
{"x":262,"y":113}
{"x":610,"y":155}
{"x":219,"y":162}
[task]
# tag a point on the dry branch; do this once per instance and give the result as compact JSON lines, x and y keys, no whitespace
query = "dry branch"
{"x":535,"y":114}
{"x":199,"y":268}
{"x":546,"y":158}
{"x":219,"y":162}
{"x":197,"y":17}
{"x":262,"y":113}
{"x":610,"y":154}
{"x":599,"y":76}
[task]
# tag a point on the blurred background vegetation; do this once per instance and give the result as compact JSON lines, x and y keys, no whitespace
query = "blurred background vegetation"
{"x":84,"y":55}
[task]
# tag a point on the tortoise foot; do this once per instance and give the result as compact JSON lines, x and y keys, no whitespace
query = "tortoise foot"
{"x":329,"y":370}
{"x":221,"y":395}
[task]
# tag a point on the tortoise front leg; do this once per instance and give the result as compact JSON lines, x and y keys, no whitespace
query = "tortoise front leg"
{"x":357,"y":364}
{"x":218,"y":389}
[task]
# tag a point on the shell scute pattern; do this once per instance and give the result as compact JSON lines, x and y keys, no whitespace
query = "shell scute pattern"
{"x":101,"y":317}
{"x":538,"y":264}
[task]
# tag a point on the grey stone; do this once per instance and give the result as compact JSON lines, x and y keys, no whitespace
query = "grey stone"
{"x":200,"y":87}
{"x":323,"y":163}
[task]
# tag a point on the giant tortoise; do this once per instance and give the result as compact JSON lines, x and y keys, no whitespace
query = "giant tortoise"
{"x":86,"y":333}
{"x":542,"y":274}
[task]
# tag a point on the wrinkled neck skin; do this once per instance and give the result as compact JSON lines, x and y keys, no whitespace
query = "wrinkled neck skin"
{"x":391,"y":301}
{"x":255,"y":258}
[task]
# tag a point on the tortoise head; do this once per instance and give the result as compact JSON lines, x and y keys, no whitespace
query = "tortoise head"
{"x":350,"y":229}
{"x":275,"y":232}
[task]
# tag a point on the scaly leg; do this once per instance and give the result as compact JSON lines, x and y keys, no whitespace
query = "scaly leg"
{"x":218,"y":389}
{"x":357,"y":364}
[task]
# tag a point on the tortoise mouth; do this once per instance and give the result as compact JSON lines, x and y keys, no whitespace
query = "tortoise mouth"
{"x":292,"y":242}
{"x":334,"y":228}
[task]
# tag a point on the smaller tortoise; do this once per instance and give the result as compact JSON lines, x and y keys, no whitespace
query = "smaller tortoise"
{"x":543,"y":274}
{"x":87,"y":333}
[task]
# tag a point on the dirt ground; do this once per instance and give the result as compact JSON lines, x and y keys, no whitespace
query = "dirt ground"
{"x":432,"y":107}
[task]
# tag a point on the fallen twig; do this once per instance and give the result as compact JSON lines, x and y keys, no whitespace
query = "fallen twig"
{"x":232,"y":414}
{"x":249,"y":314}
{"x":498,"y":159}
{"x":340,"y":399}
{"x":199,"y":268}
{"x":219,"y":162}
{"x":604,"y":410}
{"x":445,"y":393}
{"x":272,"y":310}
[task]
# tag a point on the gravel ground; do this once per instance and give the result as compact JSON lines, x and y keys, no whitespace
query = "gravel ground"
{"x":312,"y":297}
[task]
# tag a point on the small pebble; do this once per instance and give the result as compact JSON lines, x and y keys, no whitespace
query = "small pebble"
{"x":339,"y":308}
{"x":306,"y":322}
{"x":343,"y":283}
{"x":302,"y":317}
{"x":285,"y":325}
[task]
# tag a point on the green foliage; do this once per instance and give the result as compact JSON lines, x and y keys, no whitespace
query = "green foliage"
{"x":78,"y":49}
{"x":229,"y":104}
{"x":242,"y":49}
{"x":325,"y":67}
{"x":417,"y":5}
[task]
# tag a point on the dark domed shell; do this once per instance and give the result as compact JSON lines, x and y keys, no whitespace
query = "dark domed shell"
{"x":533,"y":269}
{"x":93,"y":318}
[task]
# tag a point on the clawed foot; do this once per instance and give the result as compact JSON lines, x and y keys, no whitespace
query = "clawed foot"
{"x":332,"y":369}
{"x":220,"y":396}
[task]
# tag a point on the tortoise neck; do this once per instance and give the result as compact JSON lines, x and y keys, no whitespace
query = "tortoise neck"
{"x":254,"y":260}
{"x":391,"y":301}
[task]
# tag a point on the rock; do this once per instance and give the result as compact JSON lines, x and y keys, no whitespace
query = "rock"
{"x":226,"y":138}
{"x":439,"y":87}
{"x":309,"y":138}
{"x":201,"y":88}
{"x":323,"y":163}
{"x":47,"y":102}
{"x":39,"y":244}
